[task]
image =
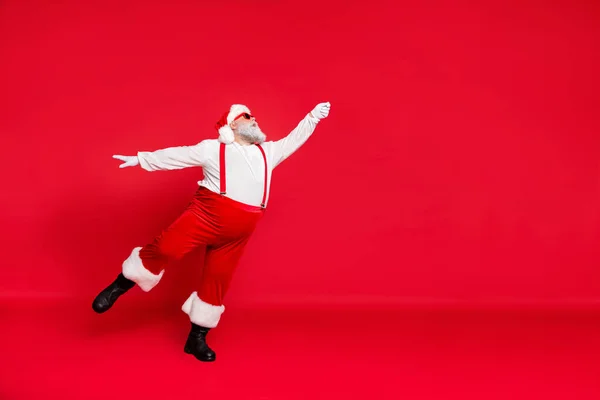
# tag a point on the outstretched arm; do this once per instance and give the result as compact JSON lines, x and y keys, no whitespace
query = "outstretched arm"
{"x":167,"y":159}
{"x":285,"y":147}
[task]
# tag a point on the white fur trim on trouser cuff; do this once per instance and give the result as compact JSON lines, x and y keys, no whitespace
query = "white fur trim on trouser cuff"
{"x":202,"y":313}
{"x":134,"y":270}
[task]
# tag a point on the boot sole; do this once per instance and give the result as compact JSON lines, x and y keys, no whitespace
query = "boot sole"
{"x":188,"y":350}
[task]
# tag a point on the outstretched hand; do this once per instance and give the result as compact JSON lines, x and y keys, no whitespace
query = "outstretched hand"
{"x":129,"y":161}
{"x":321,"y":110}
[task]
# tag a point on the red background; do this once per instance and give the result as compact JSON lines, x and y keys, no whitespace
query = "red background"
{"x":459,"y":162}
{"x":458,"y":167}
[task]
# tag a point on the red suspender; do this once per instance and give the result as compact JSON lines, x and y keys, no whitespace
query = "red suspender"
{"x":222,"y":168}
{"x":222,"y":172}
{"x":265,"y":191}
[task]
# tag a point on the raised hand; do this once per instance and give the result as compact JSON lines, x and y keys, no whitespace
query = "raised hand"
{"x":321,"y":110}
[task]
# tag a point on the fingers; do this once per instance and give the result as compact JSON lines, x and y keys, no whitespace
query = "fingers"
{"x":129,"y":163}
{"x":325,"y":107}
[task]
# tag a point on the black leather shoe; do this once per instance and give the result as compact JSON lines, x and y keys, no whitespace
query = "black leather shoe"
{"x":196,"y":344}
{"x":105,"y":300}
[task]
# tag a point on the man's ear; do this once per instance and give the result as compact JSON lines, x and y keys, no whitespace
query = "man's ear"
{"x":233,"y":125}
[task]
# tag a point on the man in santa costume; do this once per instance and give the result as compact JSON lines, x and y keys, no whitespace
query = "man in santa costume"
{"x":221,"y":217}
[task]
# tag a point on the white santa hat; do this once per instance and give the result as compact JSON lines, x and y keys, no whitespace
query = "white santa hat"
{"x":222,"y":126}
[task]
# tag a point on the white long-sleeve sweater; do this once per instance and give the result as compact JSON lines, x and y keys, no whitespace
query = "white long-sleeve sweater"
{"x":245,"y":168}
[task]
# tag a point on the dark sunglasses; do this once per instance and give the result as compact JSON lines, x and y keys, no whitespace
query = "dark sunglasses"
{"x":245,"y":115}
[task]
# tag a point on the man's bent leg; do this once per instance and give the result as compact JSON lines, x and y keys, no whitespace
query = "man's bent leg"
{"x":205,"y":306}
{"x":145,"y":265}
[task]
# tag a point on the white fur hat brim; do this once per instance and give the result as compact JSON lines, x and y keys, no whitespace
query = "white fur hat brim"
{"x":225,"y":132}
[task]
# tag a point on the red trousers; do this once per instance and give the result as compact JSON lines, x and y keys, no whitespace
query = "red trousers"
{"x":221,"y":225}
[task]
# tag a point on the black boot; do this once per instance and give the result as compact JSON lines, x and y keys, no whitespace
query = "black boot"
{"x":196,"y":344}
{"x":105,"y":300}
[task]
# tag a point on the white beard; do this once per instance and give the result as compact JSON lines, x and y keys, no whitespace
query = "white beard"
{"x":252,"y":134}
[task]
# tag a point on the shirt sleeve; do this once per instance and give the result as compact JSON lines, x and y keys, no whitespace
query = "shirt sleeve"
{"x":283,"y":148}
{"x":174,"y":157}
